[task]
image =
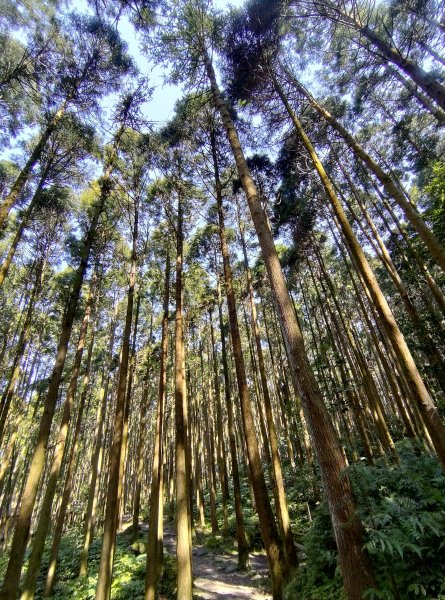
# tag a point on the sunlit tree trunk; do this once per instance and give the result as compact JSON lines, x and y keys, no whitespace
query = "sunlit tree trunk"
{"x":183,"y":549}
{"x":97,"y":456}
{"x":12,"y":577}
{"x":44,"y":520}
{"x":69,"y":475}
{"x":116,"y":467}
{"x":355,"y":565}
{"x":420,"y":393}
{"x":391,"y":188}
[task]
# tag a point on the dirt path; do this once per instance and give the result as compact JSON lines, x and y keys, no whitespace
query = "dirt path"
{"x":216,"y":576}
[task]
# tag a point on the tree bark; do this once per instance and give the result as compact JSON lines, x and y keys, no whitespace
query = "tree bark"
{"x":44,"y":521}
{"x":420,"y":393}
{"x":348,"y":531}
{"x":12,"y":577}
{"x":115,"y":468}
{"x":432,"y":243}
{"x":269,"y":532}
{"x":67,"y":488}
{"x":17,"y":188}
{"x":183,"y":547}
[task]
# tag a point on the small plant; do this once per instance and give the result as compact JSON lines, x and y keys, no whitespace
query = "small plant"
{"x":402,"y":507}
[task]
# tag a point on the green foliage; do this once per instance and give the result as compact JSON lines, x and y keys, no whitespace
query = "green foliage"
{"x":128,"y":573}
{"x":402,"y":507}
{"x":319,"y":576}
{"x":435,"y":191}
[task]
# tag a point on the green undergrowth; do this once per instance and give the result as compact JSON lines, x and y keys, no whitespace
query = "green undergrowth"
{"x":402,"y":507}
{"x":128,"y":573}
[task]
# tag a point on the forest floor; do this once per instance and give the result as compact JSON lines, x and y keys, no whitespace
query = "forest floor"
{"x":216,"y":575}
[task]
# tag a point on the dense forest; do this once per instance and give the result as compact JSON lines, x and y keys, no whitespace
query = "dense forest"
{"x":222,"y":336}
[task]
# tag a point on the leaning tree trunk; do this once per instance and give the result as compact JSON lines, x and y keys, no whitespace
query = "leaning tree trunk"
{"x":428,"y":83}
{"x":8,"y":394}
{"x":432,"y":243}
{"x":69,"y":475}
{"x":19,"y":184}
{"x":354,"y":562}
{"x":19,"y":233}
{"x":412,"y":88}
{"x":420,"y":393}
{"x":44,"y":521}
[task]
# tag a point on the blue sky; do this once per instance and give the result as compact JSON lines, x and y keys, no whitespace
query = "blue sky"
{"x":161,"y":107}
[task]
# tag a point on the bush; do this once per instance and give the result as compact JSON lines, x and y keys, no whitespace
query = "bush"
{"x":402,"y":507}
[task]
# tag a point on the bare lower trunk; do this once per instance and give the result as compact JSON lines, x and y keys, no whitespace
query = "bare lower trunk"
{"x":67,"y":488}
{"x":183,"y":546}
{"x":12,"y":578}
{"x":59,"y":451}
{"x":420,"y":393}
{"x":113,"y":497}
{"x":354,"y":563}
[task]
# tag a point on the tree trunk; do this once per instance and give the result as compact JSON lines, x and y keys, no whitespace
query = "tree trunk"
{"x":44,"y":521}
{"x":12,"y":577}
{"x":408,"y":84}
{"x":243,"y":549}
{"x":115,"y":467}
{"x":97,"y":457}
{"x":66,"y":494}
{"x":354,"y":562}
{"x":420,"y":393}
{"x":17,"y":188}
{"x":183,"y":548}
{"x":145,"y":404}
{"x":9,"y":392}
{"x":281,"y":508}
{"x":18,"y":234}
{"x":428,"y":83}
{"x":391,"y":188}
{"x":267,"y":523}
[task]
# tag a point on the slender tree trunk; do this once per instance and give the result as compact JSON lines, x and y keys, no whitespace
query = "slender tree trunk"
{"x":19,"y":184}
{"x":210,"y":455}
{"x":142,"y":436}
{"x":183,"y":547}
{"x":97,"y":457}
{"x":427,"y":82}
{"x":115,"y":467}
{"x":44,"y":521}
{"x":8,"y":394}
{"x":221,"y":449}
{"x":267,"y":523}
{"x":354,"y":562}
{"x":412,"y":88}
{"x":19,"y":233}
{"x":281,"y":508}
{"x":391,"y":187}
{"x":12,"y":577}
{"x":66,"y":494}
{"x":243,"y":549}
{"x":420,"y":393}
{"x":426,"y":342}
